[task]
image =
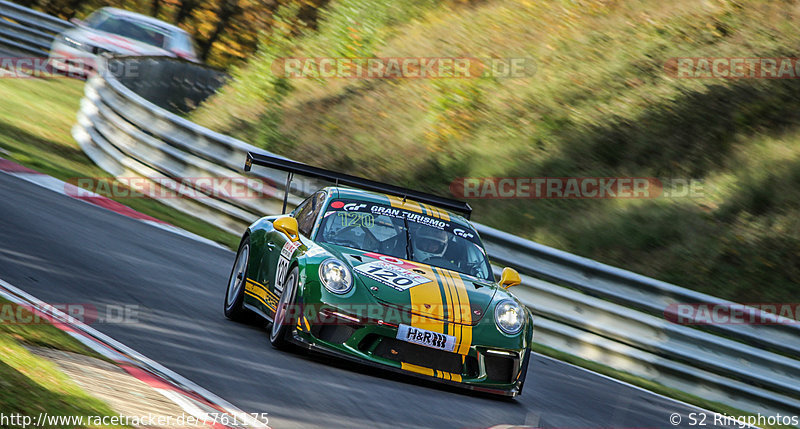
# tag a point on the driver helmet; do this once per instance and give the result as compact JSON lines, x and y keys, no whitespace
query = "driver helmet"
{"x":429,"y":243}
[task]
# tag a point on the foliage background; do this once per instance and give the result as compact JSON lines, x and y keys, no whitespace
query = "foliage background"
{"x":600,"y":104}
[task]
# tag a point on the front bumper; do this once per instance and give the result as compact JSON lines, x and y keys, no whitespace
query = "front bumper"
{"x":484,"y":368}
{"x":72,"y":61}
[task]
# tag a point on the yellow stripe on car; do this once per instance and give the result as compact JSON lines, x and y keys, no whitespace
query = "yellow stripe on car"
{"x":448,"y":299}
{"x":454,"y":328}
{"x":436,"y":212}
{"x":461,"y":311}
{"x":422,"y":295}
{"x":264,"y":295}
{"x":398,"y":203}
{"x":416,"y":368}
{"x":444,"y":375}
{"x":261,"y":300}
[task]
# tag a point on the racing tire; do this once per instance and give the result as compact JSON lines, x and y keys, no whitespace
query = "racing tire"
{"x":283,"y":319}
{"x":234,"y":294}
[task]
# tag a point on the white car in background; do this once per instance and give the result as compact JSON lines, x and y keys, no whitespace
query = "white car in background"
{"x":117,"y":31}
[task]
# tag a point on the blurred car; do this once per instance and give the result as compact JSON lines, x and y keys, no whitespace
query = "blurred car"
{"x":120,"y":32}
{"x":370,"y":275}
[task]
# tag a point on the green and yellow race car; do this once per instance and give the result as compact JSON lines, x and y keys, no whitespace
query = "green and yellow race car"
{"x":386,"y":276}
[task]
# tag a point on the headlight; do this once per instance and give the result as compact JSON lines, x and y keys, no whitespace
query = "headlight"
{"x":335,"y":276}
{"x":509,"y":316}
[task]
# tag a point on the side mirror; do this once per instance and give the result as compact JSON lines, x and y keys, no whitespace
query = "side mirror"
{"x":510,"y":277}
{"x":288,"y":226}
{"x":77,"y":22}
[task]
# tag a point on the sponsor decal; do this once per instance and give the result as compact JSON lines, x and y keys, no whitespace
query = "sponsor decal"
{"x":283,"y":263}
{"x":391,"y":275}
{"x":316,"y":251}
{"x":353,"y":207}
{"x":462,"y":233}
{"x":356,"y":219}
{"x":426,"y":338}
{"x":383,"y":210}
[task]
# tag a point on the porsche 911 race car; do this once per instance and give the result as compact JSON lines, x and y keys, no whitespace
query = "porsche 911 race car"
{"x":386,"y":276}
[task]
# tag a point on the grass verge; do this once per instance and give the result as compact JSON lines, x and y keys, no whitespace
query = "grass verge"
{"x":36,"y":118}
{"x":29,"y":384}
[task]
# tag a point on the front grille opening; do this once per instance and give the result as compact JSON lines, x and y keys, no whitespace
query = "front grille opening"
{"x":368,"y":342}
{"x":401,"y":351}
{"x":333,"y":333}
{"x":471,"y":367}
{"x":500,"y":369}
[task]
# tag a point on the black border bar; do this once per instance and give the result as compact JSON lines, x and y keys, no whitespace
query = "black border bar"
{"x":295,"y":167}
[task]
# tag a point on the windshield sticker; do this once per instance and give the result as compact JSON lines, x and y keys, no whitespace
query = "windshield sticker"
{"x":462,"y":233}
{"x":351,"y":207}
{"x":357,"y":219}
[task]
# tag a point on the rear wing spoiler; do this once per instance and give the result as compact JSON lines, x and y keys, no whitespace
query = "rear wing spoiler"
{"x":294,"y":167}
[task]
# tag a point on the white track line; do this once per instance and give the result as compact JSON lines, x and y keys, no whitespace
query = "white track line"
{"x":19,"y":296}
{"x":67,"y":189}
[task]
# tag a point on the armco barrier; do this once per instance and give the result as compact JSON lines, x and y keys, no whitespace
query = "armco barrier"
{"x":580,"y":306}
{"x":28,"y":31}
{"x":624,"y":287}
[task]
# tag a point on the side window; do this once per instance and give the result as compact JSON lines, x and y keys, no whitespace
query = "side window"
{"x":308,"y":211}
{"x":303,"y":211}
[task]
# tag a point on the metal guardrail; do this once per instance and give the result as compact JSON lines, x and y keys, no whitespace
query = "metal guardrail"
{"x":28,"y":31}
{"x":128,"y":135}
{"x":688,"y":359}
{"x":582,"y":307}
{"x":627,"y":288}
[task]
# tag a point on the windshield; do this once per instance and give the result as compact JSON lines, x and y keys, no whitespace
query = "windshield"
{"x":404,"y":234}
{"x":135,"y":30}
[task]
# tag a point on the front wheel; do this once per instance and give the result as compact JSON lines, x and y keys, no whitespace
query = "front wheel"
{"x":234,"y":296}
{"x":284,"y":311}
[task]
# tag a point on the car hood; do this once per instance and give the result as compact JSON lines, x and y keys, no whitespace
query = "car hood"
{"x":425,"y":290}
{"x":114,"y":43}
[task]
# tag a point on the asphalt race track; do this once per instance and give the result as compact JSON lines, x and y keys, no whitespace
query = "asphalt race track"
{"x":62,"y":251}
